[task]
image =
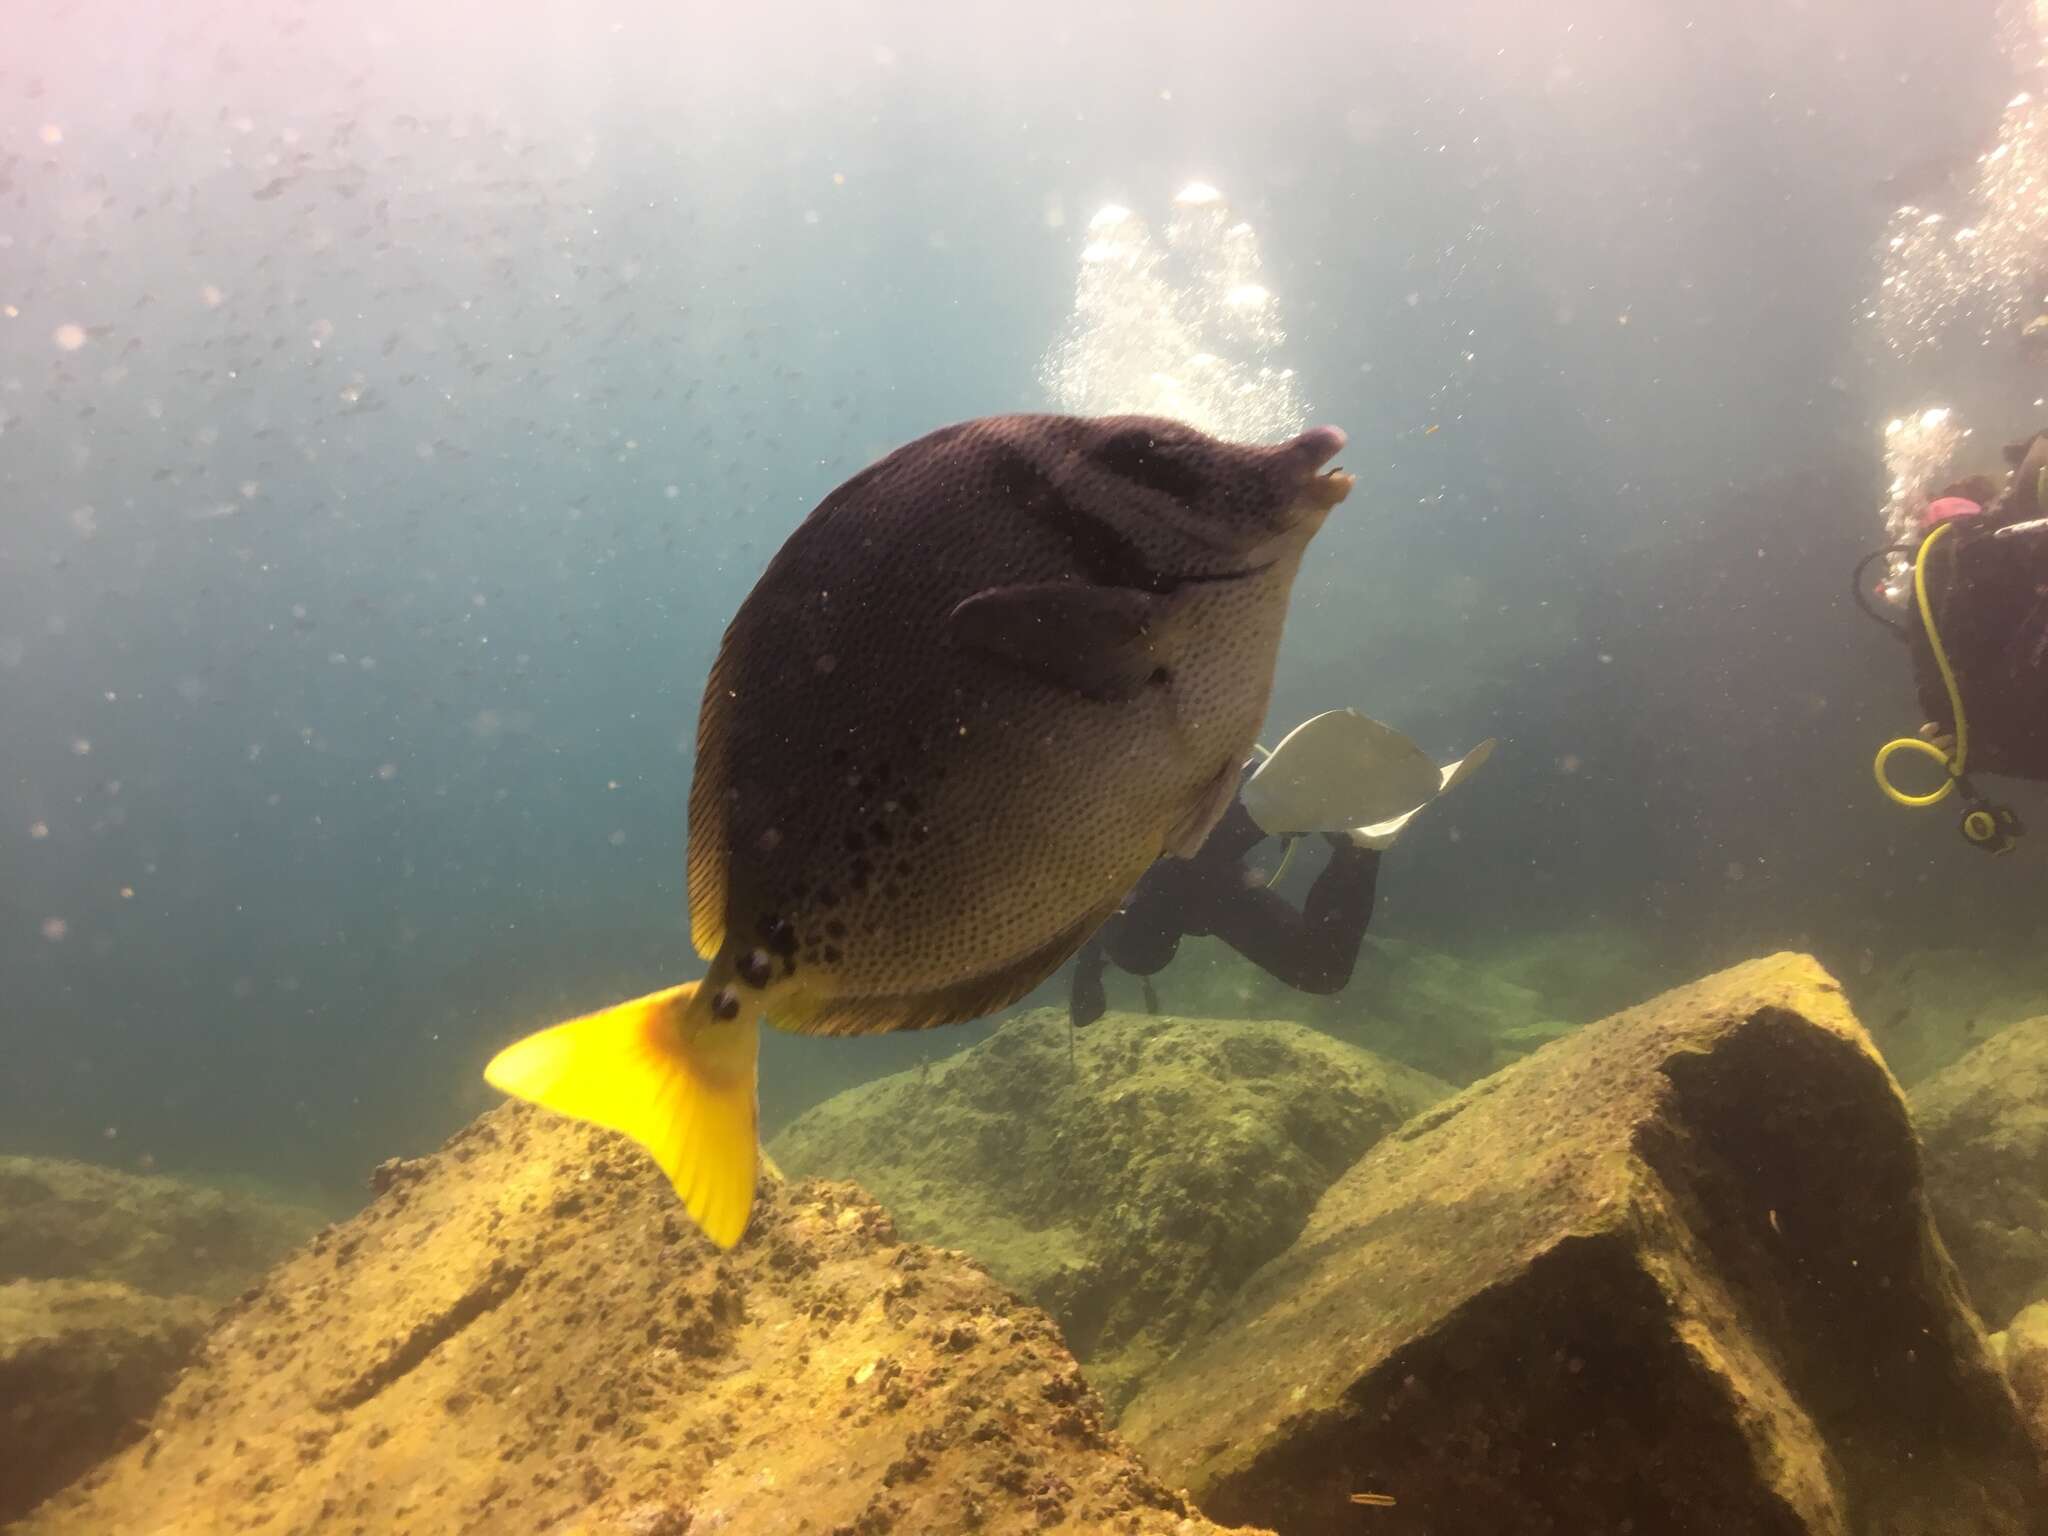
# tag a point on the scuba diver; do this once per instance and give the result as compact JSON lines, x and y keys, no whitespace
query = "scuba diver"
{"x":1340,"y":774}
{"x":1972,"y":580}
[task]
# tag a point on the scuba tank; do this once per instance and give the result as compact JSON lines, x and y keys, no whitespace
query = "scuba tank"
{"x":1967,"y":598}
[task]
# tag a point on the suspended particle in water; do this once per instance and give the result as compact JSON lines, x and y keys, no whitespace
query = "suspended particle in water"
{"x":55,"y":929}
{"x":68,"y":337}
{"x":38,"y":830}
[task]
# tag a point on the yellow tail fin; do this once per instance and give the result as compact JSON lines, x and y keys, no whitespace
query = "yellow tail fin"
{"x":681,"y":1087}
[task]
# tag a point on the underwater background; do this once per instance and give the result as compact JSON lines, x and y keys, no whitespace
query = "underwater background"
{"x":396,"y":402}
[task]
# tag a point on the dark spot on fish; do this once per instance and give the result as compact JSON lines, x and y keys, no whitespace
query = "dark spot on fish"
{"x":1159,"y":676}
{"x":858,"y":873}
{"x":789,"y":967}
{"x":780,"y":934}
{"x":1105,"y":557}
{"x":903,"y":867}
{"x":754,"y":968}
{"x":835,"y":929}
{"x":725,"y":1005}
{"x":831,"y":954}
{"x":1140,"y":457}
{"x":827,"y":898}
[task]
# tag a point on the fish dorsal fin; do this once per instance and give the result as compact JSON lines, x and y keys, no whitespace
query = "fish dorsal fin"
{"x":1091,"y":640}
{"x":710,"y":809}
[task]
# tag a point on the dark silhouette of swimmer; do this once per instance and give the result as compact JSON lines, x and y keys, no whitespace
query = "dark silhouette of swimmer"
{"x":1217,"y":893}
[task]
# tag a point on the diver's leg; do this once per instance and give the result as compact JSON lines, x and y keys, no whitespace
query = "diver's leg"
{"x":1314,"y":949}
{"x":1142,"y":939}
{"x":1087,"y":1002}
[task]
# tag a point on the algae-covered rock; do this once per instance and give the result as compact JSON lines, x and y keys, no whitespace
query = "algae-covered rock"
{"x":63,"y":1219}
{"x":1582,"y":974}
{"x":1984,"y":1121}
{"x":1128,"y":1190}
{"x":1674,"y":1274}
{"x":524,"y":1333}
{"x":2025,"y":1358}
{"x":1929,"y":1008}
{"x":82,"y":1363}
{"x":1453,"y":1018}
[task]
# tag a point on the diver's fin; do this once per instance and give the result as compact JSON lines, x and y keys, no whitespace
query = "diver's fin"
{"x":1337,"y":770}
{"x":1463,"y":769}
{"x":682,"y":1087}
{"x":1094,"y":641}
{"x":1380,"y":835}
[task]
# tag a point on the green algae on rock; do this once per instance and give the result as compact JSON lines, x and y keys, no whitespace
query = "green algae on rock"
{"x":522,"y":1333}
{"x":1130,"y":1192}
{"x":1984,"y":1121}
{"x":63,"y":1219}
{"x":1675,"y":1274}
{"x":1928,"y":1008}
{"x":82,"y":1363}
{"x":1454,"y":1018}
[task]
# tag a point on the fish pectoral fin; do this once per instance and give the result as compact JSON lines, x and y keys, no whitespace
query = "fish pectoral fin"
{"x":1094,"y":641}
{"x":681,"y":1086}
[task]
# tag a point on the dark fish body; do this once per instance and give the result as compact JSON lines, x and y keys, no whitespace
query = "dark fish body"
{"x":977,"y":693}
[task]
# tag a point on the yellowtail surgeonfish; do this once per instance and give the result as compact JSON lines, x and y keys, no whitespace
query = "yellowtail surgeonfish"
{"x":981,"y":688}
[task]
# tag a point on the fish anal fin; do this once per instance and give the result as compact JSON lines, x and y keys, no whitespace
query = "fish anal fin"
{"x":1091,"y":640}
{"x":1194,"y":827}
{"x":680,"y":1085}
{"x":879,"y":1014}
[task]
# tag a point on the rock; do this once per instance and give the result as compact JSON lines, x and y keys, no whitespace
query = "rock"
{"x":1984,"y":1121}
{"x":1131,"y":1200}
{"x":1673,"y":1275}
{"x":2025,"y":1357}
{"x":1929,"y":1008}
{"x":1459,"y":1019}
{"x":1453,"y":1018}
{"x":1581,"y":974}
{"x":528,"y":1336}
{"x":61,"y":1219}
{"x":81,"y":1364}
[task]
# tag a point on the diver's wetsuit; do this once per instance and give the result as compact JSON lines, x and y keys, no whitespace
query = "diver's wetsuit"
{"x":1989,"y":594}
{"x":1311,"y":949}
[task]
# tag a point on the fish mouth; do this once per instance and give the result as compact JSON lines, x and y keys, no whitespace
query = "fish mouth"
{"x":1324,"y":491}
{"x":1321,"y":492}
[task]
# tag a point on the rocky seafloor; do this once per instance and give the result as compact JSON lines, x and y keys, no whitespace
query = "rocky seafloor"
{"x":1701,"y":1266}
